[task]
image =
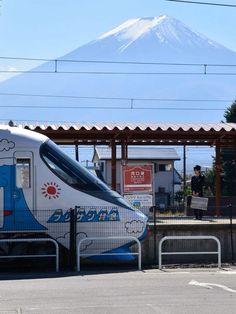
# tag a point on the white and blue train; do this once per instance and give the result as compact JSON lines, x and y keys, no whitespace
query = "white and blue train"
{"x":39,"y":183}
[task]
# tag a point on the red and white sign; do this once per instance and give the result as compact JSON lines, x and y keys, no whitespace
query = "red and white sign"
{"x":137,"y":178}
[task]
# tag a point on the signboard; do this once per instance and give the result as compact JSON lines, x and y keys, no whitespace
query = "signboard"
{"x":199,"y":202}
{"x":137,"y":178}
{"x":140,"y":201}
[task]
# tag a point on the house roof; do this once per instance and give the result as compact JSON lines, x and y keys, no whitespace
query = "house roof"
{"x":139,"y":153}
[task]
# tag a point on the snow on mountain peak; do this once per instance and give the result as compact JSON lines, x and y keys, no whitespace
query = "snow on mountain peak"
{"x":163,"y":28}
{"x":134,"y":28}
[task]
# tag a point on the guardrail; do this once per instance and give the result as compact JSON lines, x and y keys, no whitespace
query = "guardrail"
{"x":56,"y":255}
{"x":218,"y":252}
{"x":108,"y":254}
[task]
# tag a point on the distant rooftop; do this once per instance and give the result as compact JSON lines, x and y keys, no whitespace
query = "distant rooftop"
{"x":138,"y":153}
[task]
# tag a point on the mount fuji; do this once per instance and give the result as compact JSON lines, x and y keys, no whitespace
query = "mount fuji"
{"x":154,"y":40}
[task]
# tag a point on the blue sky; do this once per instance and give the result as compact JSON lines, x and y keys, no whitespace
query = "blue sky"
{"x":52,"y":28}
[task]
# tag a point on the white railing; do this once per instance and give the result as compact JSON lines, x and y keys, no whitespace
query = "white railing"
{"x":218,"y":252}
{"x":56,"y":255}
{"x":108,"y":254}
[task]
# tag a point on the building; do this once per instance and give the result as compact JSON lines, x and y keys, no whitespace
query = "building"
{"x":165,"y":179}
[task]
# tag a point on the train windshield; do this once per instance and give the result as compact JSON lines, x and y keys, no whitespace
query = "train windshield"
{"x":69,"y":170}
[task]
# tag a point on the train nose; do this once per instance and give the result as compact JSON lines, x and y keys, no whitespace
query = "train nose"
{"x":141,"y":216}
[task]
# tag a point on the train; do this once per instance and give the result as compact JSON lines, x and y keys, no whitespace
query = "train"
{"x":40,"y":183}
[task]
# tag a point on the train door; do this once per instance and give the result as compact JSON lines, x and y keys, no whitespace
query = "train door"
{"x":24,"y":195}
{"x":6,"y":188}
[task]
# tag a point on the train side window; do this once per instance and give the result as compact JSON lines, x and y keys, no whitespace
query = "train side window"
{"x":23,"y":173}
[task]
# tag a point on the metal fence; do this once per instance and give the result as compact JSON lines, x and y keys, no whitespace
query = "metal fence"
{"x":177,"y":238}
{"x":172,"y":222}
{"x":69,"y":226}
{"x":26,"y":256}
{"x":24,"y":237}
{"x":129,"y":238}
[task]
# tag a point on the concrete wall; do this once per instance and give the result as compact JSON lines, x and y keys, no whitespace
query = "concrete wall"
{"x":164,"y":179}
{"x":221,"y":231}
{"x":107,"y":173}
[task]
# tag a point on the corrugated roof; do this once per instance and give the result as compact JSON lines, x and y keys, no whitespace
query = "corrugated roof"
{"x":139,"y":153}
{"x":132,"y":126}
{"x":137,"y":133}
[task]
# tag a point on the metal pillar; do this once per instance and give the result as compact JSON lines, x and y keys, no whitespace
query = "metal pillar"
{"x":184,"y":167}
{"x":124,"y":152}
{"x":234,"y":167}
{"x":113,"y":165}
{"x":76,"y":151}
{"x":73,"y":233}
{"x":184,"y":178}
{"x":218,"y":179}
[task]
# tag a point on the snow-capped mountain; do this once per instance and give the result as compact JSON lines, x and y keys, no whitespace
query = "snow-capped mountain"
{"x":153,"y":39}
{"x":161,"y":40}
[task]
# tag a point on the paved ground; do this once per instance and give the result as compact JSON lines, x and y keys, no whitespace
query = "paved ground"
{"x":150,"y":291}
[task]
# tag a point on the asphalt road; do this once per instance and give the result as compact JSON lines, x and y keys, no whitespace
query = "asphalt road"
{"x":150,"y":291}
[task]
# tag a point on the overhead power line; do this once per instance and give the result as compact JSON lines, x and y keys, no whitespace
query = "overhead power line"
{"x":203,"y":68}
{"x":122,"y":73}
{"x":115,"y":62}
{"x":130,"y":99}
{"x":205,"y":3}
{"x":114,"y":108}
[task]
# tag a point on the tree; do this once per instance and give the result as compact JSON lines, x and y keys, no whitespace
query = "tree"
{"x":228,"y":157}
{"x":210,"y":179}
{"x":228,"y":163}
{"x":230,"y":113}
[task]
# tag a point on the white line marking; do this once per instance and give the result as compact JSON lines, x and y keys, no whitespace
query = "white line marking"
{"x":228,"y":272}
{"x":164,"y":271}
{"x":116,"y":306}
{"x":210,"y":285}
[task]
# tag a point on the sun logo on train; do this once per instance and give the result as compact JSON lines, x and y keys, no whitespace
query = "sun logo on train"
{"x":51,"y":190}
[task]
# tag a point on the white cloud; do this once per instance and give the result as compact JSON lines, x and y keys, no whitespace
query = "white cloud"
{"x":85,"y":244}
{"x":134,"y":226}
{"x":8,"y":74}
{"x":65,"y":240}
{"x":6,"y":145}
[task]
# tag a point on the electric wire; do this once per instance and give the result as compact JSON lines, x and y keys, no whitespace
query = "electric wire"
{"x":204,"y":67}
{"x":116,"y":98}
{"x":112,"y":108}
{"x":120,"y":73}
{"x":115,"y":62}
{"x":204,"y":3}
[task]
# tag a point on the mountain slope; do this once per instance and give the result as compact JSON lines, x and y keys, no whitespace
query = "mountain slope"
{"x":153,"y":38}
{"x":158,"y":39}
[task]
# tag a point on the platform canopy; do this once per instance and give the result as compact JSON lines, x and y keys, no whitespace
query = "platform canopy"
{"x":138,"y":134}
{"x":216,"y":135}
